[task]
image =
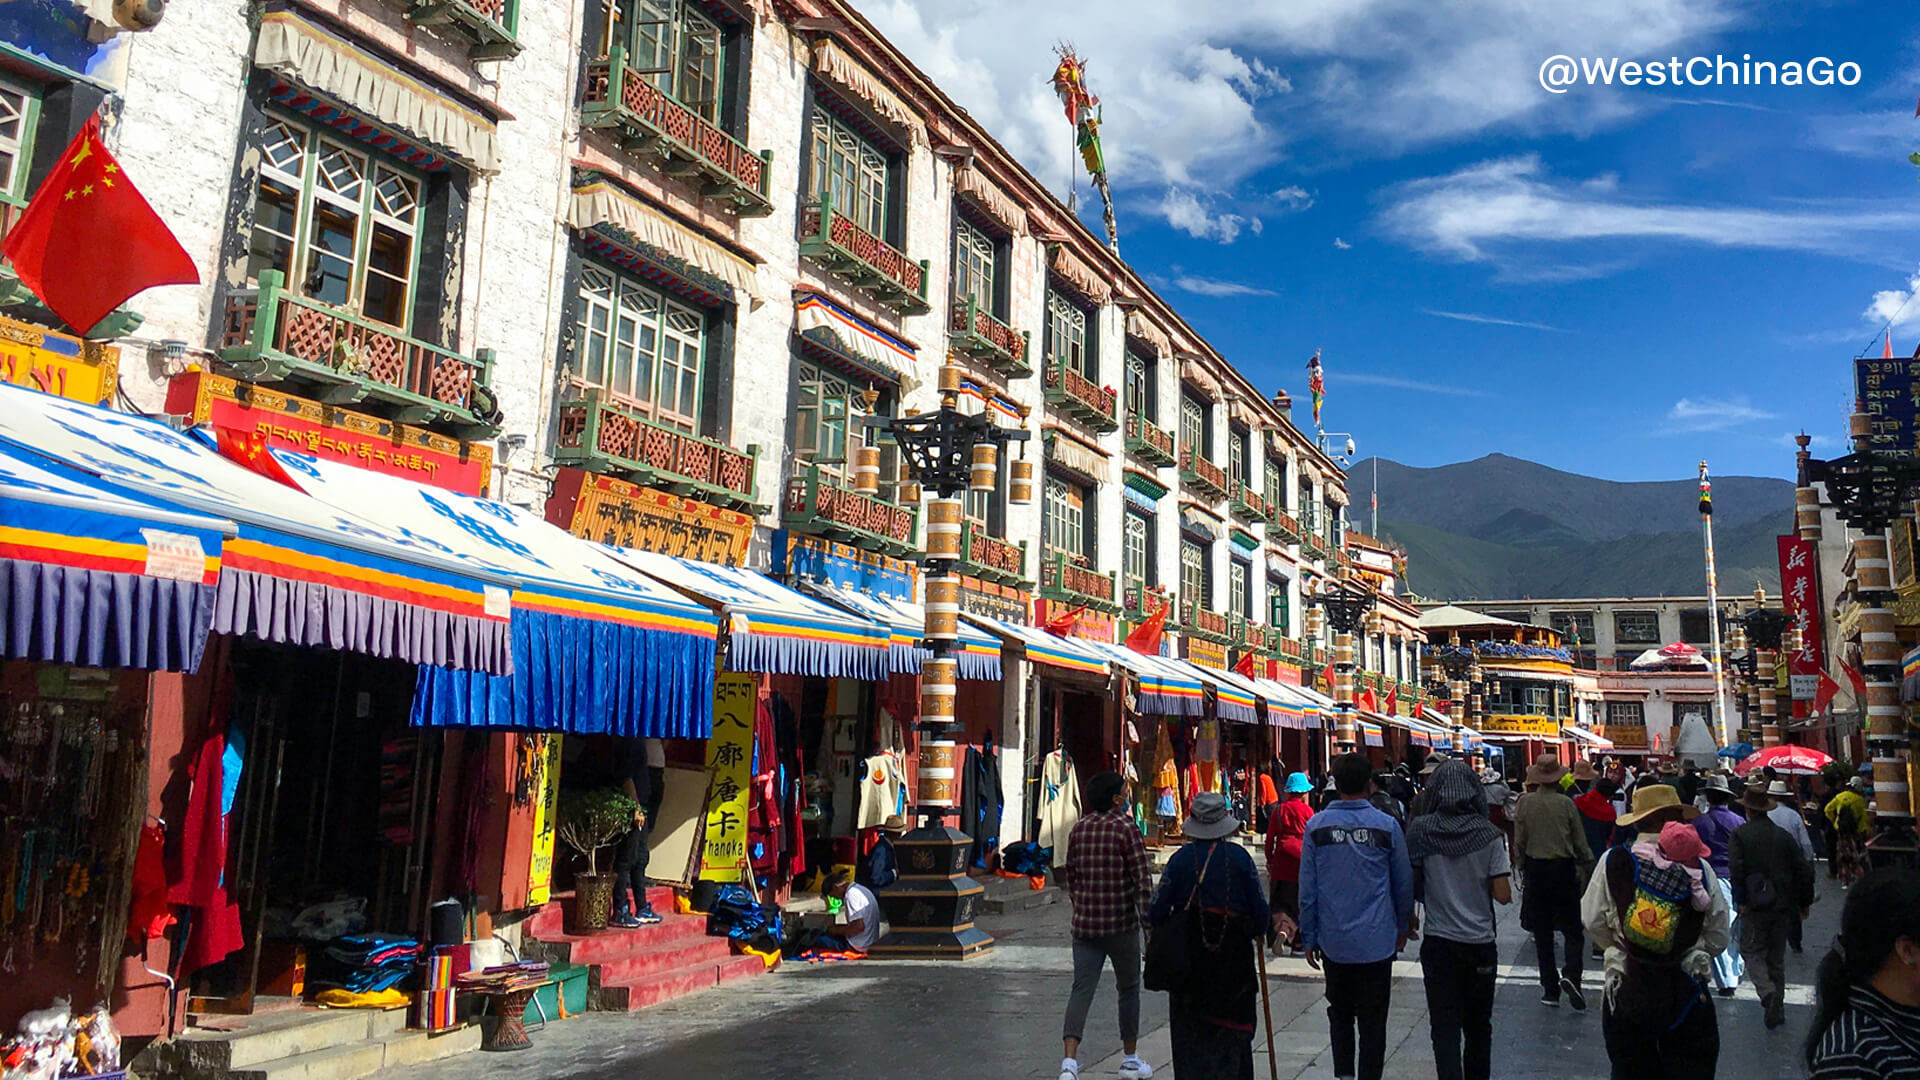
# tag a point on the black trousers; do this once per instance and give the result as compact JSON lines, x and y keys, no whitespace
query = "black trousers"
{"x":630,"y":873}
{"x":1642,"y":1050}
{"x":1460,"y":984}
{"x":1357,"y":1000}
{"x":1576,"y":945}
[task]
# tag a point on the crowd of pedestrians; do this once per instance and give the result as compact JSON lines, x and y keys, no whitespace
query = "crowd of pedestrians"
{"x":1680,"y":883}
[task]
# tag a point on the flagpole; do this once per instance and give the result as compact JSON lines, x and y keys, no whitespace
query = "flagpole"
{"x":1713,"y":609}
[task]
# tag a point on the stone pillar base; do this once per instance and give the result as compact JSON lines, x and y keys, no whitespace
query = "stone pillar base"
{"x":930,"y":909}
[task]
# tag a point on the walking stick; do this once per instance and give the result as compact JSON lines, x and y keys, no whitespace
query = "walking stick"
{"x":1266,"y":1006}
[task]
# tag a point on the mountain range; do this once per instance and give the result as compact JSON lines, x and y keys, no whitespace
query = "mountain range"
{"x":1500,"y":528}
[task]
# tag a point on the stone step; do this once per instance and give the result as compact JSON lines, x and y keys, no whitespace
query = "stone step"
{"x":419,"y":1047}
{"x":550,"y":919}
{"x":665,"y":986}
{"x":280,"y":1035}
{"x":1025,"y":899}
{"x":348,"y":1062}
{"x":614,"y":943}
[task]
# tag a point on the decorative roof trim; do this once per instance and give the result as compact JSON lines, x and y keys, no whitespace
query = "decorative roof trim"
{"x":1145,"y":485}
{"x":1073,"y":272}
{"x":1141,"y":327}
{"x":972,"y":184}
{"x":834,"y":64}
{"x":600,"y":203}
{"x":1244,"y":540}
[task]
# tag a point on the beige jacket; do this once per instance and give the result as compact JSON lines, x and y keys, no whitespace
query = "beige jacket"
{"x":1602,"y":919}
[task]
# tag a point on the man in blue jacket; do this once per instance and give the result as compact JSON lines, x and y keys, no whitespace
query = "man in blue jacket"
{"x":1356,"y":909}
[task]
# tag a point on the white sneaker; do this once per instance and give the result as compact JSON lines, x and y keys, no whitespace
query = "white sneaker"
{"x":1069,"y":1070}
{"x":1133,"y":1068}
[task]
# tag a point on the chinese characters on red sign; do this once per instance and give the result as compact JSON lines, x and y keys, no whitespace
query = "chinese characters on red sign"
{"x":1800,"y":599}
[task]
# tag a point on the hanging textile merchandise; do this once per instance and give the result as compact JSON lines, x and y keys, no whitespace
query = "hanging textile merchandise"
{"x":68,"y":818}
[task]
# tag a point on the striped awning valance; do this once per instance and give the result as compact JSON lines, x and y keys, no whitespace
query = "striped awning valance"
{"x":1141,"y":327}
{"x":601,"y":205}
{"x":983,"y":193}
{"x":1072,"y":270}
{"x":832,"y":63}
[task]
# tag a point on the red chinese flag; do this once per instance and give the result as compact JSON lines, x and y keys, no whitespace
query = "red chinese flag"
{"x":249,"y":449}
{"x":88,"y":240}
{"x":1244,"y":665}
{"x":1393,"y":702}
{"x":1327,"y":675}
{"x":1824,"y":696}
{"x":1367,"y":702}
{"x":1062,"y":624}
{"x":1859,"y":681}
{"x":1145,"y":638}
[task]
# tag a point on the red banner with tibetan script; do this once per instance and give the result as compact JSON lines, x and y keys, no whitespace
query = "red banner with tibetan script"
{"x":1800,"y":599}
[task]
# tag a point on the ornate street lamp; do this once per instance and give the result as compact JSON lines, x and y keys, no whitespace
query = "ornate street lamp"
{"x":1346,"y":608}
{"x":930,"y":908}
{"x":1763,"y":628}
{"x":1871,"y":490}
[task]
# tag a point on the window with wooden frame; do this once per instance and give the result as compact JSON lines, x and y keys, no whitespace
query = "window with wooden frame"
{"x":1138,"y":557}
{"x":975,"y":259}
{"x":641,"y":345}
{"x":1279,"y":605}
{"x":1276,"y":478}
{"x":674,"y":45}
{"x":1066,"y":512}
{"x":853,"y":171}
{"x":1196,"y":577}
{"x":1626,"y":714}
{"x":1239,"y":458}
{"x":1239,"y":588}
{"x":339,"y":221}
{"x":19,"y":116}
{"x":1196,"y":433}
{"x":1142,"y":395}
{"x":1067,"y":338}
{"x":827,"y":429}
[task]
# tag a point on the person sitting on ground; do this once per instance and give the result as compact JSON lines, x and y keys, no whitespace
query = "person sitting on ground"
{"x":1680,"y":846}
{"x":1867,"y":994}
{"x":860,"y":911}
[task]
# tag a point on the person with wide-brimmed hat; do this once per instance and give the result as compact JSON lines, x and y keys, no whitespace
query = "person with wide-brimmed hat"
{"x":1551,"y":853}
{"x":1716,"y":827}
{"x":1772,"y":883}
{"x":1656,"y":1016}
{"x":1211,"y":1016}
{"x":1786,"y":814}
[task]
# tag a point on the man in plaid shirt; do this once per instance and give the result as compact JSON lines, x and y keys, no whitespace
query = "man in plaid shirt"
{"x":1110,"y":881}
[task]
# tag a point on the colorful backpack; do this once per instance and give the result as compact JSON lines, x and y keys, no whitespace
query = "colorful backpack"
{"x":1650,"y":919}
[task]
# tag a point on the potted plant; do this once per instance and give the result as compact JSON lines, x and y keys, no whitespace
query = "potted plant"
{"x":589,"y":821}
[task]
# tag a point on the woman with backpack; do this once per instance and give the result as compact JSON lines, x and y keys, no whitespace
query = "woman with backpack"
{"x":1657,"y":1016}
{"x":1851,"y":824}
{"x":1867,"y":996}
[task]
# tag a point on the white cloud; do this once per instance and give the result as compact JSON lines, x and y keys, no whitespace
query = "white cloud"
{"x":1293,"y":197}
{"x":1397,"y":383}
{"x":1212,"y":96}
{"x":1201,"y":286}
{"x":1341,"y":245}
{"x":1467,"y":316}
{"x":1185,"y":211}
{"x":1711,"y":414}
{"x":1897,"y":309}
{"x":1511,"y":201}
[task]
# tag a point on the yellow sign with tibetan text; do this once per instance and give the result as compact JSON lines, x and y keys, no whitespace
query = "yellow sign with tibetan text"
{"x":59,"y":364}
{"x":1545,"y":727}
{"x":730,"y":763}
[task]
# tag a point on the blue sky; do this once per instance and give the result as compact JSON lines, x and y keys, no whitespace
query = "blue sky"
{"x":1618,"y":281}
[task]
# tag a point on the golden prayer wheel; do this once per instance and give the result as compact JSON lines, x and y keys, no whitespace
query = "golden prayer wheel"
{"x":866,"y":470}
{"x":985,"y":472}
{"x":943,"y":528}
{"x":1020,"y":490}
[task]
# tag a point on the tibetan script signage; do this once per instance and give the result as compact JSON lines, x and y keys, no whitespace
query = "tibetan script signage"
{"x":335,"y":434}
{"x":1627,"y":736}
{"x":1889,"y":390}
{"x":729,"y":762}
{"x":994,"y":601}
{"x":612,"y":511}
{"x":1207,"y":654}
{"x":1800,"y":599}
{"x":58,"y":364}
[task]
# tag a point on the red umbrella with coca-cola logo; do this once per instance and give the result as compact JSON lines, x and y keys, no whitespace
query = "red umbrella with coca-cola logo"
{"x":1786,"y":760}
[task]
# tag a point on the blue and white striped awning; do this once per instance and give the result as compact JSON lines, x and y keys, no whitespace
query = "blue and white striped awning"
{"x":977,"y":654}
{"x":1043,"y":647}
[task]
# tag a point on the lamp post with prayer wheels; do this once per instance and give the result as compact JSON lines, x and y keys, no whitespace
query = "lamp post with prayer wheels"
{"x":947,"y":453}
{"x":1345,"y":608}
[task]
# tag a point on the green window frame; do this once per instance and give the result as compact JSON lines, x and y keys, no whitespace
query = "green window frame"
{"x":677,"y":47}
{"x":340,"y":221}
{"x":1276,"y":480}
{"x":641,"y":345}
{"x":1137,"y":551}
{"x":1279,"y":605}
{"x":826,"y":433}
{"x":852,"y":170}
{"x":1065,"y":527}
{"x":19,"y":120}
{"x":1195,"y":432}
{"x":1067,"y":334}
{"x":1238,"y":458}
{"x":1239,"y":588}
{"x":1195,"y":575}
{"x":974,"y":255}
{"x":1141,"y":398}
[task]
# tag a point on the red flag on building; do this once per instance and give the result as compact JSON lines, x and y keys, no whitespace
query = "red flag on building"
{"x":249,"y":450}
{"x":1244,"y":665}
{"x":1393,"y":701}
{"x":1367,"y":701}
{"x":1145,"y":638}
{"x":1327,"y":675}
{"x":1062,"y":624}
{"x":88,"y":240}
{"x":1824,"y":696}
{"x":1858,"y":680}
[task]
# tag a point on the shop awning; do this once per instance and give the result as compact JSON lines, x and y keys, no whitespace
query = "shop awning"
{"x":1237,"y":698}
{"x":1371,"y":733}
{"x":1165,"y":690}
{"x":1070,"y":654}
{"x":1580,"y":734}
{"x":598,"y":647}
{"x":298,"y":572}
{"x":840,"y":331}
{"x":771,"y":628}
{"x":98,"y":579}
{"x":977,"y":654}
{"x":1285,"y":705}
{"x":1910,"y":677}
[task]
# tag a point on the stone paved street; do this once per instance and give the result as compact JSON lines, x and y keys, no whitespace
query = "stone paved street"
{"x":999,"y":1017}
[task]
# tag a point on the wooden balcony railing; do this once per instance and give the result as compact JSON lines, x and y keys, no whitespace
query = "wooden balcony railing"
{"x":1203,"y":476}
{"x":1096,"y":408}
{"x":1214,"y":626}
{"x":491,"y":25}
{"x":601,"y":436}
{"x":1313,"y":547}
{"x":273,"y":335}
{"x":652,"y":122}
{"x":1283,"y":525}
{"x":823,"y":506}
{"x":870,"y":263}
{"x":974,"y":331}
{"x":1064,"y":581}
{"x":1253,"y":636}
{"x":1292,"y":649}
{"x":986,"y":556}
{"x":1149,"y":442}
{"x":1246,"y":503}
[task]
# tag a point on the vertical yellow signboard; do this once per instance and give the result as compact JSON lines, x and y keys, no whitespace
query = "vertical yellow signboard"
{"x":546,"y":812}
{"x":730,"y":764}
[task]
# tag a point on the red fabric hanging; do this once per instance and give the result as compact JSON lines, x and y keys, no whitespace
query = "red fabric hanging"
{"x":147,"y":914}
{"x":198,"y":882}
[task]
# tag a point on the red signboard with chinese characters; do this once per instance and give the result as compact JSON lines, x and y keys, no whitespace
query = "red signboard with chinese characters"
{"x":1800,"y":599}
{"x":293,"y":423}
